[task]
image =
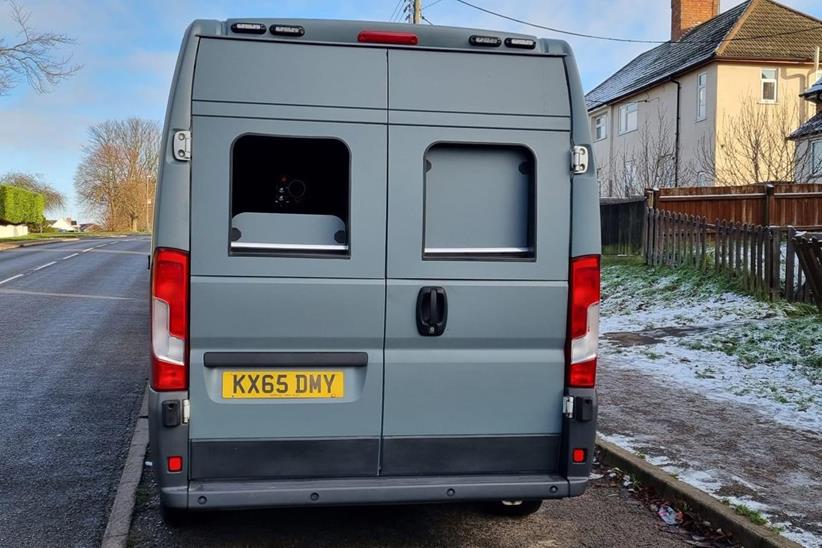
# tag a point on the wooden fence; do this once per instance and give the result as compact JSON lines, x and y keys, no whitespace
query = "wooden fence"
{"x":622,"y":225}
{"x":808,"y":249}
{"x":782,"y":204}
{"x":773,"y":262}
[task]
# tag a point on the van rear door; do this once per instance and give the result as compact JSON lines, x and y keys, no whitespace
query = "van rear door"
{"x":478,"y":247}
{"x":288,"y":199}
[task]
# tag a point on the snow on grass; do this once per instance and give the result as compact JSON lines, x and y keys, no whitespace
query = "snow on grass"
{"x":698,"y":332}
{"x":724,"y":345}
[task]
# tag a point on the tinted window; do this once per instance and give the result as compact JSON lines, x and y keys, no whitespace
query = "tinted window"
{"x":289,"y":195}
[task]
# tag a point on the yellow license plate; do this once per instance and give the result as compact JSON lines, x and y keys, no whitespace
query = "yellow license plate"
{"x":283,"y":384}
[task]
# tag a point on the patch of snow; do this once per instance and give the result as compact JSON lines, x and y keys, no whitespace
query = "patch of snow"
{"x":780,"y":392}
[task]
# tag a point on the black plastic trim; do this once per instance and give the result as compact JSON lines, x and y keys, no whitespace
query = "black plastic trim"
{"x":281,"y":359}
{"x":527,"y":454}
{"x":284,"y":458}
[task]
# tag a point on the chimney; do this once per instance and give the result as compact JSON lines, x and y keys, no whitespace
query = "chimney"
{"x":687,"y":14}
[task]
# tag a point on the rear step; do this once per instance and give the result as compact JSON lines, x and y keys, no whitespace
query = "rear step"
{"x":380,"y":490}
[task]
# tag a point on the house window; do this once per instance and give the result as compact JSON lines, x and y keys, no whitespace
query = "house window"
{"x":768,"y":80}
{"x":628,"y":118}
{"x":701,"y":96}
{"x":816,"y":158}
{"x":600,"y":127}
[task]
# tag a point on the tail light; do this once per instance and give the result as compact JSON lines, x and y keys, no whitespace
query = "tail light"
{"x":583,"y":321}
{"x":169,"y":320}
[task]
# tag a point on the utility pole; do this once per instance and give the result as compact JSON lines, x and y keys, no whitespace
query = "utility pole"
{"x":414,"y":10}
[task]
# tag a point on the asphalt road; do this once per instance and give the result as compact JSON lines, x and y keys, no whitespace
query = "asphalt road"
{"x":73,"y":364}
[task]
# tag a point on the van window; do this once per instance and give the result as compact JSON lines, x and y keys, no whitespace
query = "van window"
{"x":289,"y":195}
{"x":479,"y":202}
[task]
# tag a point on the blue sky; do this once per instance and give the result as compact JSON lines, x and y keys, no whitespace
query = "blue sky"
{"x":128,"y":50}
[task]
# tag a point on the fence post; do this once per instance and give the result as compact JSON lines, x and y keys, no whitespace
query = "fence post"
{"x":769,"y":204}
{"x":703,"y":237}
{"x":790,"y":263}
{"x":776,"y":262}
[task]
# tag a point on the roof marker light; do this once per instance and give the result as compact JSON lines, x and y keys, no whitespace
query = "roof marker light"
{"x":487,"y":41}
{"x":522,"y":43}
{"x":287,"y":30}
{"x":248,"y":28}
{"x":384,"y":37}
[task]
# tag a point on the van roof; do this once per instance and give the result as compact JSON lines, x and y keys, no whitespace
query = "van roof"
{"x":326,"y":31}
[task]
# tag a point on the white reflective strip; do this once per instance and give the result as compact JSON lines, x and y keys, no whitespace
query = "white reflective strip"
{"x":475,"y":250}
{"x":69,"y":256}
{"x":585,"y":348}
{"x":282,"y":247}
{"x":166,"y":347}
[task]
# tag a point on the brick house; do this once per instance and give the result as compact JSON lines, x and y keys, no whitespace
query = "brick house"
{"x":674,"y":114}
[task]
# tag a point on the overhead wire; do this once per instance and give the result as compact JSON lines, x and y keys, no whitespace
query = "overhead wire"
{"x":632,"y":40}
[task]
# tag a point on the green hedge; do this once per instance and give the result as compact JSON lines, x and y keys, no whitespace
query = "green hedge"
{"x":18,"y":206}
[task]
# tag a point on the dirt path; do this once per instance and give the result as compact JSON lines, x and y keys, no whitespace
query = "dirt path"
{"x":724,"y":447}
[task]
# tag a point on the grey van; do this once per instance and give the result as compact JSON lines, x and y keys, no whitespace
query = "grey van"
{"x":375,"y":269}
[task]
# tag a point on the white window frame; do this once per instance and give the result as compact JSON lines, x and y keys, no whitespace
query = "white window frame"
{"x":701,"y":96}
{"x":816,"y":157}
{"x":601,"y":123}
{"x":625,"y":111}
{"x":774,"y":81}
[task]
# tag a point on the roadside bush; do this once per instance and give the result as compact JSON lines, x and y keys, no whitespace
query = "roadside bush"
{"x":19,"y":206}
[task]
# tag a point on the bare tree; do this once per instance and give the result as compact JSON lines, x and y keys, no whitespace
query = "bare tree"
{"x":31,"y":55}
{"x":752,"y":145}
{"x":118,"y":172}
{"x":55,"y":200}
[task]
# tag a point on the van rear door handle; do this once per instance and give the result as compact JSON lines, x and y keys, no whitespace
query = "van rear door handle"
{"x":432,"y":311}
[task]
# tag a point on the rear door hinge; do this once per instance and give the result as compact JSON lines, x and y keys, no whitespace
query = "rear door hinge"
{"x":568,"y":406}
{"x":182,"y":145}
{"x":579,"y":160}
{"x":186,"y":411}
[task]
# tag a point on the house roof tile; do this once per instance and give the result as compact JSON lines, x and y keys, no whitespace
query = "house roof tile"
{"x":808,"y":129}
{"x":730,"y":35}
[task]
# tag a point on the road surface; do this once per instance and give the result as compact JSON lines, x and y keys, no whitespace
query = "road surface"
{"x":73,"y":346}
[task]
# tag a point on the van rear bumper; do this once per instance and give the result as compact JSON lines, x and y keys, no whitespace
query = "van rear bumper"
{"x":205,"y":495}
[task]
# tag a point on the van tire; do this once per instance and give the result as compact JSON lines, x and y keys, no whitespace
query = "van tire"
{"x":516,"y":509}
{"x":174,"y":517}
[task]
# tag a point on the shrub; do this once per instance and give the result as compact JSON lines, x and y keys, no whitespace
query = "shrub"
{"x":18,"y":206}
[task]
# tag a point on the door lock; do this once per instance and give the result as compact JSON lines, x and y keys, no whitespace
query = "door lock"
{"x":432,"y":311}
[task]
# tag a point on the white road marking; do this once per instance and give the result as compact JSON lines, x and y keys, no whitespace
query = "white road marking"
{"x":101,"y":245}
{"x":74,"y":295}
{"x":10,"y":279}
{"x":87,"y":250}
{"x":44,"y":266}
{"x":70,"y":256}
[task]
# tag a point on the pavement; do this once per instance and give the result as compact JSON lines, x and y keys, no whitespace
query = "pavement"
{"x":725,"y":447}
{"x":73,"y":365}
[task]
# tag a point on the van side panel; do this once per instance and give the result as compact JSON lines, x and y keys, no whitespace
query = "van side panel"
{"x":585,"y":240}
{"x":172,"y":205}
